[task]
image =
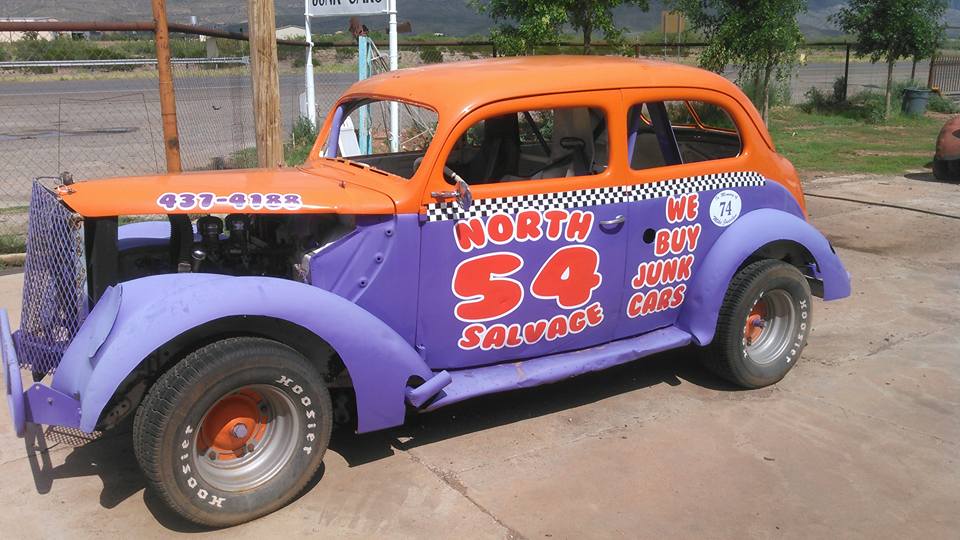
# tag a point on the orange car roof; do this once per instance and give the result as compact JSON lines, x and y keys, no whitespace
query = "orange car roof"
{"x":458,"y":87}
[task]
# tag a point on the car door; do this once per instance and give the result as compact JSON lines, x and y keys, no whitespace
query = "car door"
{"x":686,"y":167}
{"x":535,"y":265}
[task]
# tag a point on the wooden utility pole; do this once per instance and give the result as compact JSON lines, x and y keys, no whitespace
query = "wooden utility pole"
{"x":266,"y":82}
{"x":168,"y":101}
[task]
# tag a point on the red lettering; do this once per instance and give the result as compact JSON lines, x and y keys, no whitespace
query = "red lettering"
{"x":528,"y":225}
{"x":578,"y":321}
{"x":683,"y":269}
{"x":634,"y":305}
{"x":500,"y":228}
{"x":649,"y":303}
{"x":579,"y":226}
{"x":495,"y":338}
{"x":513,"y":336}
{"x":663,"y":301}
{"x":594,"y":314}
{"x":557,"y":327}
{"x":693,"y":206}
{"x":471,"y":337}
{"x":555,"y":219}
{"x":569,"y":276}
{"x":678,"y":293}
{"x":676,"y":240}
{"x":482,"y":284}
{"x":682,"y":208}
{"x":532,"y":332}
{"x":469,"y":234}
{"x":693,"y":235}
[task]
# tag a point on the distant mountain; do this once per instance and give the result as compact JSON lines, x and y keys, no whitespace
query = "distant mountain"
{"x":451,"y":17}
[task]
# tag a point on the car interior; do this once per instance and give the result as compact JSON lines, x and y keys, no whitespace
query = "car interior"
{"x":573,"y":141}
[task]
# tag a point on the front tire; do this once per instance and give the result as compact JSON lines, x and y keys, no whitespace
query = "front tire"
{"x":234,"y":431}
{"x":763,"y":325}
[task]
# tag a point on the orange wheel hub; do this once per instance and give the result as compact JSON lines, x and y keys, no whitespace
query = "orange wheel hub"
{"x":756,"y":321}
{"x":231,"y":424}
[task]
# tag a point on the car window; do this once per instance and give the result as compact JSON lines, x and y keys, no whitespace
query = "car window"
{"x":532,"y":145}
{"x":644,"y":144}
{"x":703,"y":138}
{"x":675,"y":132}
{"x":364,"y":135}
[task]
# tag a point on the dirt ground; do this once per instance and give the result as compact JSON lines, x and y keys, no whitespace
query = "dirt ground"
{"x":861,"y":440}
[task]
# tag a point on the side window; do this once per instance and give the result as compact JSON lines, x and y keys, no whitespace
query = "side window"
{"x":531,"y":145}
{"x":674,"y":132}
{"x":705,"y":131}
{"x":645,"y":144}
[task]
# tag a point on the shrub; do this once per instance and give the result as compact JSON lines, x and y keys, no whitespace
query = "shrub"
{"x":868,"y":106}
{"x":431,"y":55}
{"x":940,"y":104}
{"x":779,"y":92}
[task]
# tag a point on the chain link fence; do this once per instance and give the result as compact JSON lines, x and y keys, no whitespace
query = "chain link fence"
{"x":91,"y":107}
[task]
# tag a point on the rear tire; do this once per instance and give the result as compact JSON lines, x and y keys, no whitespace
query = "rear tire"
{"x":763,"y":325}
{"x":234,"y":431}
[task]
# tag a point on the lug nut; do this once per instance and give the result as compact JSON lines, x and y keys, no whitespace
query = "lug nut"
{"x":239,"y":431}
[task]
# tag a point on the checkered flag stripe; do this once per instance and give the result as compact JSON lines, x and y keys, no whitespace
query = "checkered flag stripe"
{"x":483,"y":208}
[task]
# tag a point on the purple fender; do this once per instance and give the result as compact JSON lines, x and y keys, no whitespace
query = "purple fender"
{"x":744,"y":237}
{"x":143,"y":314}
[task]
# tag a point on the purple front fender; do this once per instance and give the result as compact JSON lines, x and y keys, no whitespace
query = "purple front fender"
{"x":156,"y":309}
{"x":747,"y":235}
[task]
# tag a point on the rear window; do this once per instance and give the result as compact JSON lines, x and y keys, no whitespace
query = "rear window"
{"x":676,"y":132}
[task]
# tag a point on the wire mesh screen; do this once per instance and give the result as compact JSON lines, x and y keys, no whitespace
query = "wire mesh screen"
{"x":54,"y":282}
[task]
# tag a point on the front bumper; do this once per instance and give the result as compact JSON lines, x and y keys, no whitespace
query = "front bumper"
{"x":38,"y":404}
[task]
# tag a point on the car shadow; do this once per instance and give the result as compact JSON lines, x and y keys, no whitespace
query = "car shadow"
{"x":111,"y":457}
{"x":505,"y":408}
{"x":926,"y":177}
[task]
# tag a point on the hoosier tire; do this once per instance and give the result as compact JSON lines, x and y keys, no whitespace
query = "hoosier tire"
{"x":234,"y":431}
{"x":763,"y":325}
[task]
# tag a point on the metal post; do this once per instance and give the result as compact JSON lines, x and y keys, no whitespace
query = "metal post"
{"x":308,"y":72}
{"x":168,"y":101}
{"x":846,"y":73}
{"x":363,"y":56}
{"x":394,"y":107}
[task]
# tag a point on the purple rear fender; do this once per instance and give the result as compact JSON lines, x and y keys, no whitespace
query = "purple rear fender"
{"x":152,"y":311}
{"x":742,"y":239}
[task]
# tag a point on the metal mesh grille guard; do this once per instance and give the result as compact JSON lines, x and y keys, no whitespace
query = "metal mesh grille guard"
{"x":54,"y":282}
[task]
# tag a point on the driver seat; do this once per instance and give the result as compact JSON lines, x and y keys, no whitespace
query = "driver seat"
{"x":571,"y":122}
{"x":499,"y":153}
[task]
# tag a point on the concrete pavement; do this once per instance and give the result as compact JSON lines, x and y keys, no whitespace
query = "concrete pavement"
{"x":861,"y":440}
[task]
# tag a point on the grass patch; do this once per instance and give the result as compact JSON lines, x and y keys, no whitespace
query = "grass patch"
{"x":831,"y":143}
{"x":13,"y":243}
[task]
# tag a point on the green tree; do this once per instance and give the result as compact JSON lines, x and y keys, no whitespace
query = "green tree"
{"x":761,"y":37}
{"x":524,"y":24}
{"x":889,"y":30}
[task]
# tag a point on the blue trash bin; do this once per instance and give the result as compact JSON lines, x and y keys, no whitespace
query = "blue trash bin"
{"x":915,"y":101}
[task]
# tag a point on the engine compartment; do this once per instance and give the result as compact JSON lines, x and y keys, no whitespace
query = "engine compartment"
{"x":236,"y":245}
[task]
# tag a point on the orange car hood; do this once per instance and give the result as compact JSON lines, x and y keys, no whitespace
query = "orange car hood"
{"x":329,"y":187}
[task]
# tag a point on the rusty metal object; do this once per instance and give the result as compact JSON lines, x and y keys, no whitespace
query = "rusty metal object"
{"x":946,"y":161}
{"x":168,"y":101}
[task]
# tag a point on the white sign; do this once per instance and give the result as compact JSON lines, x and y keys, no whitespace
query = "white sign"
{"x":725,"y":208}
{"x":330,"y":8}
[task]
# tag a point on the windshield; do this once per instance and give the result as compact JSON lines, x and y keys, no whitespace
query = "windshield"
{"x":362,"y":131}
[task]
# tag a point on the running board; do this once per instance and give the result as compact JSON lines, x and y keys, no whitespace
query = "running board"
{"x":474,"y":382}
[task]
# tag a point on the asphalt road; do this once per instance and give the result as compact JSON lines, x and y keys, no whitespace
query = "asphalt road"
{"x":861,"y":440}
